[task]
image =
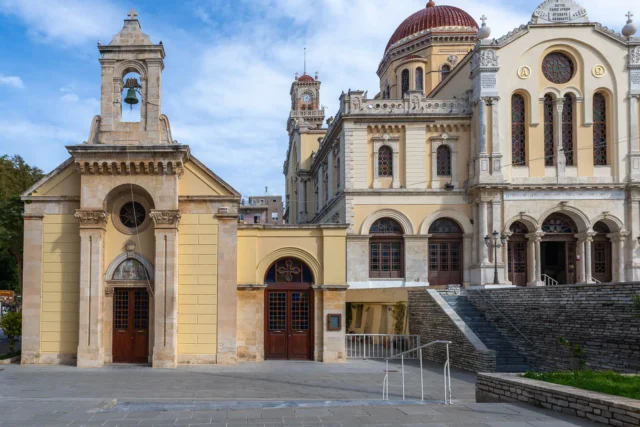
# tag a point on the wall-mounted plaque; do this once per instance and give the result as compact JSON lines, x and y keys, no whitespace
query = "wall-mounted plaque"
{"x":334,"y":322}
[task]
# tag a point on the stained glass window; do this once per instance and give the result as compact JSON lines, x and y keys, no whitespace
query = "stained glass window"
{"x":385,"y":161}
{"x":599,"y":130}
{"x":446,"y":70}
{"x":557,"y":68}
{"x":385,"y":226}
{"x":289,"y":270}
{"x":444,"y":160}
{"x":444,"y":226}
{"x":130,"y":269}
{"x":132,"y":214}
{"x":518,"y":228}
{"x":518,"y":136}
{"x":567,"y":129}
{"x":419,"y":79}
{"x":548,"y":130}
{"x":559,"y":223}
{"x":405,"y":81}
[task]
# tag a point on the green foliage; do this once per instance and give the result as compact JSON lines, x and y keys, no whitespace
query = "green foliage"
{"x":604,"y":382}
{"x":11,"y":324}
{"x":15,"y":178}
{"x":399,"y":312}
{"x":577,"y":354}
{"x":636,"y":304}
{"x":349,"y":315}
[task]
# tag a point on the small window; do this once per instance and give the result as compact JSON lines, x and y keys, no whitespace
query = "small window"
{"x":444,"y":160}
{"x":599,"y":130}
{"x":567,"y":129}
{"x":446,"y":70}
{"x":419,"y":79}
{"x":548,"y":130}
{"x":274,"y":216}
{"x":385,"y":162}
{"x":557,"y":68}
{"x":405,"y":81}
{"x":518,"y":135}
{"x":256,"y":219}
{"x":132,"y":215}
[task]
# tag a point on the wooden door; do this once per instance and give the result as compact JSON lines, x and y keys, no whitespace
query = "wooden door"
{"x":131,"y":326}
{"x":601,"y":259}
{"x":288,"y":324}
{"x":445,"y":262}
{"x":517,"y":259}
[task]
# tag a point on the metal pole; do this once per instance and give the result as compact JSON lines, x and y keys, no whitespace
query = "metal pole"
{"x":387,"y":379}
{"x":403,"y":377}
{"x":421,"y":378}
{"x":449,"y":373}
{"x":495,"y":261}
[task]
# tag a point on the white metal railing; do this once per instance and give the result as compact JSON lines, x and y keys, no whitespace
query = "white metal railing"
{"x":447,"y":373}
{"x":594,"y":280}
{"x":549,"y":281}
{"x":381,"y":346}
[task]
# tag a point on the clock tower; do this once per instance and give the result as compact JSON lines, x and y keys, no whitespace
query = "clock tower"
{"x":306,"y":110}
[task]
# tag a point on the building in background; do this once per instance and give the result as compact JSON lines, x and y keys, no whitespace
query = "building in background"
{"x":266,"y":209}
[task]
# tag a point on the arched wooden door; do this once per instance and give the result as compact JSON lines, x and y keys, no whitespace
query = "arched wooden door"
{"x":517,"y":254}
{"x":289,"y":311}
{"x":445,"y":253}
{"x":601,"y":254}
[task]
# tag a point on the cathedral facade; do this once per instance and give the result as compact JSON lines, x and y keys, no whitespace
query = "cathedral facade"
{"x":510,"y":161}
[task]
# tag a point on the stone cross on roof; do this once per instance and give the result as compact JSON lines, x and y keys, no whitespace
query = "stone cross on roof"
{"x":133,"y":14}
{"x":483,"y":18}
{"x":629,"y":15}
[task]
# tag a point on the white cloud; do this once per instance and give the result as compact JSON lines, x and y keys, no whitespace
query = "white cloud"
{"x":70,"y":97}
{"x":71,"y":22}
{"x":13,"y":81}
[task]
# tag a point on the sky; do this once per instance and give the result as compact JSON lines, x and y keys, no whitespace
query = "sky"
{"x":228,"y":69}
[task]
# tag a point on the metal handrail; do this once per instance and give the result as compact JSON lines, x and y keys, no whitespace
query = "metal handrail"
{"x":505,"y":318}
{"x":549,"y":281}
{"x":447,"y":373}
{"x":596,"y":280}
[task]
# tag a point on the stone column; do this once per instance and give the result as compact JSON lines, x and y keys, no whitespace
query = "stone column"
{"x":416,"y":266}
{"x":93,"y":225}
{"x":495,"y":221}
{"x":618,"y":259}
{"x":560,"y":160}
{"x":302,"y":205}
{"x":165,"y":328}
{"x":633,"y":125}
{"x":536,"y":239}
{"x":396,"y":168}
{"x":482,"y":218}
{"x":505,"y":257}
{"x":482,"y":127}
{"x":32,"y":288}
{"x":227,"y":287}
{"x":467,"y":257}
{"x":587,"y":258}
{"x":496,"y":154}
{"x":532,"y":268}
{"x":581,"y":251}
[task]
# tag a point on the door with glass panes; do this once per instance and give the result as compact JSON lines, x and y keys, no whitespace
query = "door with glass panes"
{"x":130,"y":326}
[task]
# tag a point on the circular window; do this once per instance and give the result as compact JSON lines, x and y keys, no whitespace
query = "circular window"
{"x":132,"y":214}
{"x":557,"y":68}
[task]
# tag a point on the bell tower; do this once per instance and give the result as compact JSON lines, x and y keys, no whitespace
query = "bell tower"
{"x":131,"y":76}
{"x":306,"y":109}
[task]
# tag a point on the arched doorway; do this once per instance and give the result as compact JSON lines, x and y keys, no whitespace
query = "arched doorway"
{"x":601,"y":253}
{"x":445,"y":253}
{"x":288,"y":311}
{"x":517,"y":254}
{"x":558,"y":248}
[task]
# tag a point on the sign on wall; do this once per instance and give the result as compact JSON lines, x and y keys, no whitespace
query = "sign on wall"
{"x":560,"y":11}
{"x":7,"y":297}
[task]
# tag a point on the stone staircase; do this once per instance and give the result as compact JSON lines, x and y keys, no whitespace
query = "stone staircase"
{"x":507,"y":357}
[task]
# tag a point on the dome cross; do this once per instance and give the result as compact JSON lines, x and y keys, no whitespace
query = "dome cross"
{"x":483,"y":18}
{"x":132,"y":14}
{"x":629,"y":16}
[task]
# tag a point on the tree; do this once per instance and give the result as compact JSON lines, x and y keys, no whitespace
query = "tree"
{"x":16,"y":177}
{"x":11,"y":324}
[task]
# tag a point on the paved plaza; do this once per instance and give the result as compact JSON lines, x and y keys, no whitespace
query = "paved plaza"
{"x":266,"y":394}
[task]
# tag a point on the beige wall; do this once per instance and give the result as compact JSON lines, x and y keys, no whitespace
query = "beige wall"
{"x":197,"y":284}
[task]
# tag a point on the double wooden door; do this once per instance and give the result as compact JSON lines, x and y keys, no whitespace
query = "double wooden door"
{"x":288,"y":324}
{"x":445,"y":262}
{"x":131,"y":326}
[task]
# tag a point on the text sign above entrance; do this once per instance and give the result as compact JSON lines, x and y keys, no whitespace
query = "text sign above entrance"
{"x":565,"y":195}
{"x":560,"y":11}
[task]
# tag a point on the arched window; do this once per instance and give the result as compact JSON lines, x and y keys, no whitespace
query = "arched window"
{"x":445,"y":71}
{"x":444,"y":226}
{"x":599,"y":130}
{"x":444,"y":160}
{"x":386,"y":249}
{"x":338,"y":173}
{"x":130,"y":269}
{"x":419,"y":78}
{"x":289,"y":270}
{"x":385,"y":161}
{"x":518,"y":228}
{"x":548,"y":130}
{"x":559,"y":223}
{"x":518,"y":131}
{"x":388,"y":91}
{"x":567,"y":129}
{"x":405,"y":82}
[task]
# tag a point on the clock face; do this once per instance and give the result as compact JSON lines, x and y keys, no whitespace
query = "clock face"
{"x":307,"y":97}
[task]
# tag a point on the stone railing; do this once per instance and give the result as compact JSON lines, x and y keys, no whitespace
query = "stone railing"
{"x":308,"y":113}
{"x":414,"y":102}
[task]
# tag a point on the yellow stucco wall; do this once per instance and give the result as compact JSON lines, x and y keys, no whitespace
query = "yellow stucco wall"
{"x":60,"y":284}
{"x":198,"y":284}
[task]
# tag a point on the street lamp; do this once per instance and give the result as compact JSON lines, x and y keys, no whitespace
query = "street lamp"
{"x":498,"y":242}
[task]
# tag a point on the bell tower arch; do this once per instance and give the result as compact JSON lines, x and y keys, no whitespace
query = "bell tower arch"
{"x":131,"y":65}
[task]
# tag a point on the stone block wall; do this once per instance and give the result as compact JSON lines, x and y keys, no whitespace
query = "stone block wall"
{"x":602,"y":408}
{"x":433,"y":319}
{"x":600,"y":318}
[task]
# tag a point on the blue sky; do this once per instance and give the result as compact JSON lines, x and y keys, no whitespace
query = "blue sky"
{"x":228,"y":70}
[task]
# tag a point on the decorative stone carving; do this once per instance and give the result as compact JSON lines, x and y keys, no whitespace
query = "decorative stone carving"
{"x":511,"y":35}
{"x":524,"y":72}
{"x":554,"y":11}
{"x":151,"y":167}
{"x":634,"y":56}
{"x":486,"y":58}
{"x":599,"y":71}
{"x":166,"y":219}
{"x":608,"y":31}
{"x":91,"y":218}
{"x":453,"y":59}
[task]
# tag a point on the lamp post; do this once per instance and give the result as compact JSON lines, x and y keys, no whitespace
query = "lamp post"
{"x":498,"y":242}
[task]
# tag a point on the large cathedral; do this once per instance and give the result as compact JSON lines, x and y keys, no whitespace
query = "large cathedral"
{"x":482,"y":162}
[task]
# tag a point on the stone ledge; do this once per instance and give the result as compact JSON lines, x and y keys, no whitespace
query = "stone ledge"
{"x":599,"y":407}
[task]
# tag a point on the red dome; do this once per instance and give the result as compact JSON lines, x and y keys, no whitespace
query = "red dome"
{"x":306,"y":78}
{"x":430,"y":18}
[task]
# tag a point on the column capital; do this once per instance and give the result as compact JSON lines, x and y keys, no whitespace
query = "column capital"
{"x":619,"y":236}
{"x":92,"y":219}
{"x":165,"y":218}
{"x":587,"y":236}
{"x":536,"y":236}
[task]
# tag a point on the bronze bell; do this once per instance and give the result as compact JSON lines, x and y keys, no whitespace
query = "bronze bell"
{"x":131,"y":97}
